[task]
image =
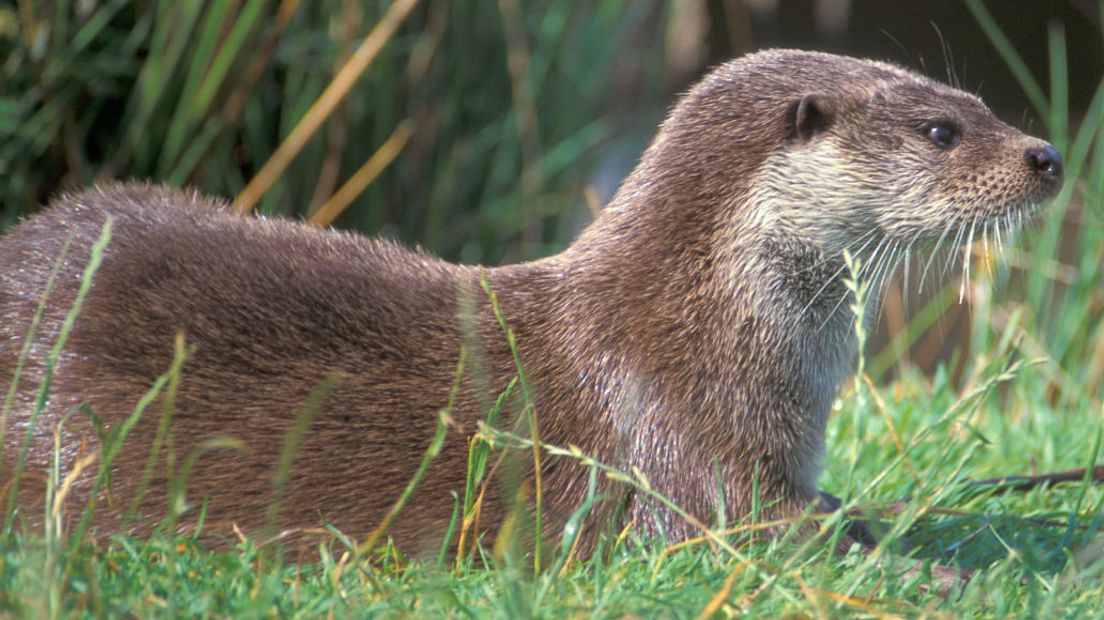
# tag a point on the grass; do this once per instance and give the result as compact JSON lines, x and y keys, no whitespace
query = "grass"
{"x":1025,"y":569}
{"x":1025,"y":394}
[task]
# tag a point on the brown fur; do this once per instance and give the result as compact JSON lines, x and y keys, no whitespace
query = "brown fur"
{"x":694,"y":330}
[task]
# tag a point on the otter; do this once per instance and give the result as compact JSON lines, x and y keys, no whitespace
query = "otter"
{"x":695,"y":332}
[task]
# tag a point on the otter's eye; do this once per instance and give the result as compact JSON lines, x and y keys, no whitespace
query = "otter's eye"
{"x":943,"y":135}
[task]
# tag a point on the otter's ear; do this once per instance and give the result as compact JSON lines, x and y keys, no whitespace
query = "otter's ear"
{"x":814,"y":114}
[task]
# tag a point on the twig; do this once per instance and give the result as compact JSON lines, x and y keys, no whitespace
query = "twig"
{"x":1026,"y":483}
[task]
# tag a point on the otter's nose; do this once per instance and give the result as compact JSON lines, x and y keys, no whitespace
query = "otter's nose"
{"x":1046,"y":161}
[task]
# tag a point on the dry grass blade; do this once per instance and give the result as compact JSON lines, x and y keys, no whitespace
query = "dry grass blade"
{"x":67,"y":484}
{"x":326,"y":103}
{"x":335,"y":205}
{"x":722,"y":595}
{"x":860,"y":604}
{"x":880,"y":404}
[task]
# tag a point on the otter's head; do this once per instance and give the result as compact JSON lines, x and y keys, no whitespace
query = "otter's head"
{"x":848,"y":153}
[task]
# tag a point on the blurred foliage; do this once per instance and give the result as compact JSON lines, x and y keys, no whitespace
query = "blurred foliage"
{"x":201,"y":93}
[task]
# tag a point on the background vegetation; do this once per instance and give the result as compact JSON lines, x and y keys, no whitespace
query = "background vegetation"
{"x":201,"y":93}
{"x":512,"y":122}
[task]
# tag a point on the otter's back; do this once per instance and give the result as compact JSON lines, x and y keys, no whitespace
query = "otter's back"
{"x":271,"y":307}
{"x":254,"y":293}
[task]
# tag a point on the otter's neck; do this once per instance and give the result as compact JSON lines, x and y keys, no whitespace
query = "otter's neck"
{"x":676,"y":265}
{"x":693,"y":340}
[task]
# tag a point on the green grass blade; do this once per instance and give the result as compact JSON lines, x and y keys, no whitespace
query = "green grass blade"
{"x":95,"y":258}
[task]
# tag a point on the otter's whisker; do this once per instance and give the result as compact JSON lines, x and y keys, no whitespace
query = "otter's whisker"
{"x":966,"y":258}
{"x":879,"y":265}
{"x":934,"y":252}
{"x":941,"y":260}
{"x":889,"y":265}
{"x":824,"y":286}
{"x":876,"y":276}
{"x":872,"y":260}
{"x":860,"y":276}
{"x":886,"y":270}
{"x":988,"y":254}
{"x":865,"y":239}
{"x":996,"y":233}
{"x":846,"y":294}
{"x":956,"y":248}
{"x":872,"y":273}
{"x":908,"y":268}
